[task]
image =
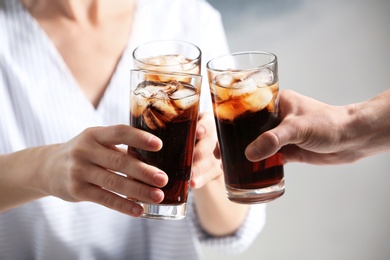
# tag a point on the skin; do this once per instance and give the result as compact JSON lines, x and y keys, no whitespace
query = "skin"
{"x":318,"y":133}
{"x":85,"y":165}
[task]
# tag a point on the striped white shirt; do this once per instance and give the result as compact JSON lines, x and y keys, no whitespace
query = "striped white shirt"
{"x":41,"y":103}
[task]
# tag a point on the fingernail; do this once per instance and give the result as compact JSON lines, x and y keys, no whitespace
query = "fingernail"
{"x":155,"y":142}
{"x":137,"y":211}
{"x":193,"y":183}
{"x":156,"y":195}
{"x":201,"y":131}
{"x":160,"y":179}
{"x":251,"y":153}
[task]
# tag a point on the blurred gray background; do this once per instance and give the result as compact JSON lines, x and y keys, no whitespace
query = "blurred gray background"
{"x":337,"y":51}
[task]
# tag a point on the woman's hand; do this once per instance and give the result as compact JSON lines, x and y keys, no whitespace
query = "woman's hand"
{"x":206,"y":166}
{"x":83,"y":169}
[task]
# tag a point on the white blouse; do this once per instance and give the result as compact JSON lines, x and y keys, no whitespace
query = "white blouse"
{"x":41,"y":103}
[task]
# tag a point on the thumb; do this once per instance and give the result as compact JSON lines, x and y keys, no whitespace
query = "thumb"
{"x":263,"y":147}
{"x":268,"y":143}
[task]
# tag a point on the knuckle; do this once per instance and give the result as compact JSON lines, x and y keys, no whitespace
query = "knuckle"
{"x":119,"y":161}
{"x":272,"y":138}
{"x":89,"y":135}
{"x":89,"y":132}
{"x":146,"y":173}
{"x":107,"y":200}
{"x":112,"y":181}
{"x":73,"y":182}
{"x":297,"y":131}
{"x":138,"y":191}
{"x":75,"y":152}
{"x":75,"y":191}
{"x":117,"y":130}
{"x":124,"y":206}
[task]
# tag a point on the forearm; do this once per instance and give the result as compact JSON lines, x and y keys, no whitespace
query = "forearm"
{"x":218,"y":216}
{"x":19,"y":180}
{"x":370,"y":125}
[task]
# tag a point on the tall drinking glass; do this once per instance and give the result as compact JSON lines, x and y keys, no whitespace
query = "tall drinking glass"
{"x":166,"y":104}
{"x":244,"y":90}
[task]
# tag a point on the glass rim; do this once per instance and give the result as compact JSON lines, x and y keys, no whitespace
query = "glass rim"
{"x":241,"y":53}
{"x":192,"y":61}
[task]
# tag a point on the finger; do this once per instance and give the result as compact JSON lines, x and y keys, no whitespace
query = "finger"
{"x":123,"y":134}
{"x":264,"y":146}
{"x":113,"y":201}
{"x":205,"y":166}
{"x":217,"y":152}
{"x":200,"y":131}
{"x":125,"y":186}
{"x":205,"y":125}
{"x":270,"y":142}
{"x":201,"y":176}
{"x":128,"y":165}
{"x":204,"y":149}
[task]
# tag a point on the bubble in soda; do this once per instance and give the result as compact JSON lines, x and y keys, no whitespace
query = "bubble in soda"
{"x":161,"y":102}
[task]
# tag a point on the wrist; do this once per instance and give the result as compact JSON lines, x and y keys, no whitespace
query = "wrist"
{"x":369,"y":126}
{"x":20,"y":178}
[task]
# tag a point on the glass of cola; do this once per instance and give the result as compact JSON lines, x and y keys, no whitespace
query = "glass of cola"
{"x":165,"y":91}
{"x":245,"y":93}
{"x":166,"y":104}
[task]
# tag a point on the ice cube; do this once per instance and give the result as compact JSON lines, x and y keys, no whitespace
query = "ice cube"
{"x":264,"y":77}
{"x":186,"y":102}
{"x":155,"y":60}
{"x":184,"y":98}
{"x":174,"y":59}
{"x":182,"y":92}
{"x":151,"y":120}
{"x":273,"y":106}
{"x":220,"y":94}
{"x":245,"y":86}
{"x":172,"y":86}
{"x":152,"y":89}
{"x":241,"y":75}
{"x":148,"y":88}
{"x":169,"y":63}
{"x":164,"y":110}
{"x":151,"y":99}
{"x":165,"y":60}
{"x":247,"y":102}
{"x":224,"y":80}
{"x":230,"y":109}
{"x":258,"y":99}
{"x":138,"y":104}
{"x":253,"y":81}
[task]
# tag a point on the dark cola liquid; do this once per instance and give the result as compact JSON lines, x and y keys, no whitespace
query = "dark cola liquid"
{"x":175,"y":157}
{"x":240,"y":173}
